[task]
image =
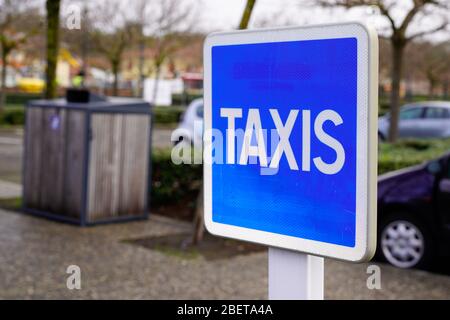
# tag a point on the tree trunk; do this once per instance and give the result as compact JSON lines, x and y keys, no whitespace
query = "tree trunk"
{"x":53,"y":8}
{"x":199,"y":224}
{"x":247,"y":14}
{"x":431,"y":86}
{"x":3,"y":79}
{"x":155,"y":87}
{"x":141,"y":66}
{"x":445,"y":85}
{"x":84,"y":46}
{"x":396,"y":77}
{"x":115,"y":70}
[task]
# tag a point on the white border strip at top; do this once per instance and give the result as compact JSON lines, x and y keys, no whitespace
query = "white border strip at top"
{"x":366,"y":149}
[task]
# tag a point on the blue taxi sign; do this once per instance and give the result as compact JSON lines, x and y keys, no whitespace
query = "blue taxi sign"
{"x":290,"y":138}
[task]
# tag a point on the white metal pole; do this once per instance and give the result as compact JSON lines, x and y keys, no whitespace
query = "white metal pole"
{"x":295,"y":275}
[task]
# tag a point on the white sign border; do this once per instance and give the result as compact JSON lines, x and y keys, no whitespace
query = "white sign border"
{"x":367,"y":139}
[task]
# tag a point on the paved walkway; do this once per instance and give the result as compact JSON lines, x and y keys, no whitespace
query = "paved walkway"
{"x":10,"y":190}
{"x":36,"y":252}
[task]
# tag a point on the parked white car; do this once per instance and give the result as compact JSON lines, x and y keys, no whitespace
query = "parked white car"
{"x":190,"y":128}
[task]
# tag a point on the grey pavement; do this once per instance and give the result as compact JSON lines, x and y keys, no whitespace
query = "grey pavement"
{"x":10,"y":190}
{"x":35,"y":253}
{"x":11,"y":154}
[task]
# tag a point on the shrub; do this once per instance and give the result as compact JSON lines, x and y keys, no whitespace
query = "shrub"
{"x":171,"y":182}
{"x":410,"y":152}
{"x":167,"y":115}
{"x":21,"y":98}
{"x":12,"y":116}
{"x":185,"y":99}
{"x":383,"y":108}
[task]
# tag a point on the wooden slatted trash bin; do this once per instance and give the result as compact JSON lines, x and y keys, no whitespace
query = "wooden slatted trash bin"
{"x":87,"y":163}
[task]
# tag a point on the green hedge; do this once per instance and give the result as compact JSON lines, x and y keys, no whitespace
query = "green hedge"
{"x":407,"y":153}
{"x":185,"y":99}
{"x":171,"y":182}
{"x":383,"y":108}
{"x":21,"y":98}
{"x":12,"y":116}
{"x":170,"y":114}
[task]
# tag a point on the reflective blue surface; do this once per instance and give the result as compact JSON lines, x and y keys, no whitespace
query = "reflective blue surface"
{"x":314,"y":75}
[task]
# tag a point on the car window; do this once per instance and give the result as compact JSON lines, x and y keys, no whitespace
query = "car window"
{"x":413,"y":113}
{"x":199,"y":111}
{"x":436,"y":113}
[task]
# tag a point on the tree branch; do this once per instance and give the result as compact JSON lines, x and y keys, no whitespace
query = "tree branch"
{"x":384,"y":10}
{"x":441,"y":27}
{"x":411,"y":14}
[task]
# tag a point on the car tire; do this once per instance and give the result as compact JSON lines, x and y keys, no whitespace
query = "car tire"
{"x":405,"y":242}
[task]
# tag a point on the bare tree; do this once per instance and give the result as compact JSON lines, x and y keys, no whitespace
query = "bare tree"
{"x":400,"y":35}
{"x":199,"y":223}
{"x":141,"y":8}
{"x":436,"y":65}
{"x":111,"y":34}
{"x":164,"y":22}
{"x":174,"y":18}
{"x":15,"y":30}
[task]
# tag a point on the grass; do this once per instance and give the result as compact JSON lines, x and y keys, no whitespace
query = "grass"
{"x":166,"y":126}
{"x":190,"y":253}
{"x":210,"y":248}
{"x":11,"y":203}
{"x":405,"y":153}
{"x":9,"y":106}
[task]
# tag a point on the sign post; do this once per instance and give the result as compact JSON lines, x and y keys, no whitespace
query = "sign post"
{"x":295,"y":275}
{"x":290,"y":147}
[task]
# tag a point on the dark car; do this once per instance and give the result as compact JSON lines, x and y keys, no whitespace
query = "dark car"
{"x":414,"y":214}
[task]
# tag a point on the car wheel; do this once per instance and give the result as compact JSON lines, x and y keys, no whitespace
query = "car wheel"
{"x":405,"y":242}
